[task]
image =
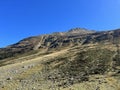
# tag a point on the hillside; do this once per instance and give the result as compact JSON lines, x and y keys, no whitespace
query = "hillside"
{"x":79,"y":59}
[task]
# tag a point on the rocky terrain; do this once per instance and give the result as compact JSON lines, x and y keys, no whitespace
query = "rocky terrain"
{"x":79,"y":59}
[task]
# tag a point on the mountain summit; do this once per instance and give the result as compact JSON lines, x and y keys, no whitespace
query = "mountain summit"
{"x":80,"y":31}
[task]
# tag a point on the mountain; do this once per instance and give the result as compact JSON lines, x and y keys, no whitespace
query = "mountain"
{"x":74,"y":60}
{"x":58,"y":39}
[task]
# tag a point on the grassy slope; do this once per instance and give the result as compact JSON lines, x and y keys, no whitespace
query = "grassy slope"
{"x":74,"y":68}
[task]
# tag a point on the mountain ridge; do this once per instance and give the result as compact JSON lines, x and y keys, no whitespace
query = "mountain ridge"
{"x":60,"y":39}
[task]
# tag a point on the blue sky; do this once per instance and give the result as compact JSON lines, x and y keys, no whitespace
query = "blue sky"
{"x":23,"y":18}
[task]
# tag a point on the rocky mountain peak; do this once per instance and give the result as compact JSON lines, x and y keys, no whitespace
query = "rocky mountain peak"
{"x":80,"y":30}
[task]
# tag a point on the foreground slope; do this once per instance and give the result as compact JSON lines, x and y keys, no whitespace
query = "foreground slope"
{"x":75,"y":60}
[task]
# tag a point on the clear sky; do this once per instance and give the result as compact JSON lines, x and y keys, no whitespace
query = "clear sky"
{"x":24,"y":18}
